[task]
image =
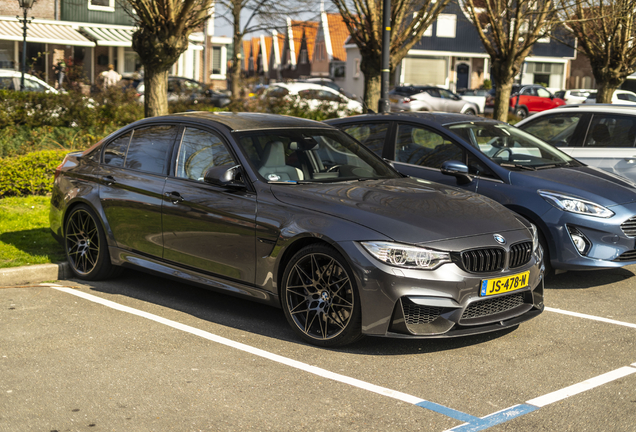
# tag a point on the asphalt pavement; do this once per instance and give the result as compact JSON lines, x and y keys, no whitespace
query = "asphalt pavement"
{"x":142,"y":353}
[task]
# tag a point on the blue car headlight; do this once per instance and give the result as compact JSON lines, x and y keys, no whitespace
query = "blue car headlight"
{"x":575,"y":205}
{"x":405,"y":256}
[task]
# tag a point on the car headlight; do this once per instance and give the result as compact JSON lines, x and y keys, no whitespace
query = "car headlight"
{"x":535,"y":237}
{"x":405,"y":256}
{"x":576,"y":205}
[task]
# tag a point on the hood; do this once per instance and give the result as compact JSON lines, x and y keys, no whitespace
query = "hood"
{"x":596,"y":185}
{"x":407,"y":210}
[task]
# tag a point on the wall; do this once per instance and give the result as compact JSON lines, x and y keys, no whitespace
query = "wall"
{"x":42,"y":9}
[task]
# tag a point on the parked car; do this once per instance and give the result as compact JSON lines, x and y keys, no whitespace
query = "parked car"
{"x":620,"y":96}
{"x":527,"y":99}
{"x":10,"y":80}
{"x":600,"y":135}
{"x":185,"y":89}
{"x":294,"y":213}
{"x":327,"y":82}
{"x":314,"y":95}
{"x":429,"y":98}
{"x":573,"y":96}
{"x":477,"y":96}
{"x":586,"y":217}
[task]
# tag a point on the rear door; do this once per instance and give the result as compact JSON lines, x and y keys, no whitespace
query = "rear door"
{"x":134,"y":168}
{"x":609,"y":144}
{"x":207,"y":227}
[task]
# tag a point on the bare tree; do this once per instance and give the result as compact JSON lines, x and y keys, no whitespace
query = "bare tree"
{"x":161,"y":37}
{"x":409,"y":21}
{"x":508,"y":30}
{"x":261,"y":15}
{"x":605,"y":32}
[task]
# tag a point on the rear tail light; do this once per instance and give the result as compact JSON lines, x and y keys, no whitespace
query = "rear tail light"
{"x":58,"y":170}
{"x":406,"y":100}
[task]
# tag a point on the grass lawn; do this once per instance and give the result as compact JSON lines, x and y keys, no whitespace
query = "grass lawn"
{"x":25,"y":237}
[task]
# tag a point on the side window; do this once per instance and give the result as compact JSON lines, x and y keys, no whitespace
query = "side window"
{"x":307,"y":94}
{"x":433,"y":92}
{"x":541,"y":92}
{"x":149,"y":148}
{"x":115,"y":151}
{"x":419,"y":146}
{"x":199,"y":151}
{"x":626,"y":97}
{"x":6,"y":83}
{"x":609,"y":130}
{"x":557,"y":130}
{"x":372,"y":135}
{"x":33,"y":86}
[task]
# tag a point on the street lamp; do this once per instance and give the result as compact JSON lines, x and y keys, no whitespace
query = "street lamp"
{"x":25,"y":5}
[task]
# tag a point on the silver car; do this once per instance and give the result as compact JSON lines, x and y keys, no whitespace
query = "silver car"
{"x":599,"y":135}
{"x":429,"y":98}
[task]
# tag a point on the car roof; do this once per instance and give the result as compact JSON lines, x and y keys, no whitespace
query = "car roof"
{"x":240,"y":121}
{"x":295,"y":86}
{"x":617,"y":108}
{"x":440,"y":118}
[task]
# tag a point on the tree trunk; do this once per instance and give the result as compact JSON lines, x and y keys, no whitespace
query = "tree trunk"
{"x":237,"y":39}
{"x":605,"y":92}
{"x":372,"y":86}
{"x":504,"y":79}
{"x":155,"y":93}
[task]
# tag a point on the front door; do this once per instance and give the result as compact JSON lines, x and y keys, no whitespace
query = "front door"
{"x":207,"y":227}
{"x":462,"y":76}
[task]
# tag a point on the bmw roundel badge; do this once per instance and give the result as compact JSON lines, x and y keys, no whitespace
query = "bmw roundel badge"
{"x":499,"y":238}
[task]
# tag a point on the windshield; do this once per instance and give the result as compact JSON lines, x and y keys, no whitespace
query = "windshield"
{"x":321,"y":155}
{"x":511,"y":147}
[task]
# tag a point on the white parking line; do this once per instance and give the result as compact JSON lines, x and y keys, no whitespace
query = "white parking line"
{"x":581,"y":387}
{"x":246,"y":348}
{"x":590,"y":317}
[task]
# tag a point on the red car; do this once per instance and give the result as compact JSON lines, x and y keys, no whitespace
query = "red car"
{"x":527,"y":99}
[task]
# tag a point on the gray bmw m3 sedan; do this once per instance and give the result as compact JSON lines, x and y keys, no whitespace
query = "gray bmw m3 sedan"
{"x":296,"y":214}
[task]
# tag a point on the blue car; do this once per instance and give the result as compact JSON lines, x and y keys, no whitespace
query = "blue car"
{"x":586,"y":217}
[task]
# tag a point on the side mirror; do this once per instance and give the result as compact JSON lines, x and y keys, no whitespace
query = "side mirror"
{"x":224,"y":175}
{"x":458,"y":170}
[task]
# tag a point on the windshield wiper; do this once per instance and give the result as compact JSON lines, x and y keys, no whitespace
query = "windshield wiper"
{"x":523,"y":167}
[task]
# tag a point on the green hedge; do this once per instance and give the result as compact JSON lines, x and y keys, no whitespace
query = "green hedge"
{"x":31,"y":174}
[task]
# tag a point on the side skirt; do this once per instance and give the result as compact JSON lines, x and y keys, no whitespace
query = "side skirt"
{"x":154,"y":266}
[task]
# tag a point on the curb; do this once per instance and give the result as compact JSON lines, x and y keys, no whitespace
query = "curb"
{"x":34,"y":274}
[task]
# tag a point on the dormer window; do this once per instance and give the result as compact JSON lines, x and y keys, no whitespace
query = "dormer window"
{"x":102,"y":5}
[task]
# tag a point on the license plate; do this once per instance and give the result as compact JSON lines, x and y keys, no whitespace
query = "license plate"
{"x":504,"y":284}
{"x":393,"y":100}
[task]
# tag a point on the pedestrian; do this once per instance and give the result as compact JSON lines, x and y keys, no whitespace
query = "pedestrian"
{"x":60,"y":71}
{"x":110,"y":77}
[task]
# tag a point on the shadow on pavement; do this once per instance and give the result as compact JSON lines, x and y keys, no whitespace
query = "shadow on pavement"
{"x":258,"y":318}
{"x":38,"y":241}
{"x":589,"y":279}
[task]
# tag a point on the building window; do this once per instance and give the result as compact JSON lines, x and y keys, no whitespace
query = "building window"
{"x":102,"y":5}
{"x":7,"y":55}
{"x":356,"y":72}
{"x":446,"y":25}
{"x":216,"y":60}
{"x":303,"y":56}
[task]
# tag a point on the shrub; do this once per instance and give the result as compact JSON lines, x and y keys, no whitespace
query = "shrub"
{"x":31,"y":174}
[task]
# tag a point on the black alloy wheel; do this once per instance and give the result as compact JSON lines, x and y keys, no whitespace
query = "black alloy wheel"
{"x":85,"y":244}
{"x":470,"y":111}
{"x":320,"y":298}
{"x":521,"y":112}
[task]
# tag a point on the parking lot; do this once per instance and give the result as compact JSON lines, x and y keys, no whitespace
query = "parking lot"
{"x":146,"y":354}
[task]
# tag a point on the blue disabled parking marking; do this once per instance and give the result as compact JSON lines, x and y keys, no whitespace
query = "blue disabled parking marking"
{"x":494,"y":419}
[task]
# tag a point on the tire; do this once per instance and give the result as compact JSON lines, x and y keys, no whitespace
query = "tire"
{"x":470,"y":111}
{"x":86,"y":246}
{"x":549,"y":271}
{"x":320,"y":298}
{"x":521,"y":112}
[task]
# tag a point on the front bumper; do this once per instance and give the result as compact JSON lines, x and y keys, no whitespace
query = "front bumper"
{"x":608,"y":245}
{"x":439,"y":303}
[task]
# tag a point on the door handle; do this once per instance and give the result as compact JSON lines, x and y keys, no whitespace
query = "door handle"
{"x":109,"y":180}
{"x":174,"y":197}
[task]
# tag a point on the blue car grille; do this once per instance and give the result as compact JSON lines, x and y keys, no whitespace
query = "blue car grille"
{"x":627,"y":256}
{"x":629,"y":227}
{"x":486,"y":260}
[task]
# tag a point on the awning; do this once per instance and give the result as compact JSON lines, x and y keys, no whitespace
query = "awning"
{"x":110,"y":35}
{"x":41,"y":32}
